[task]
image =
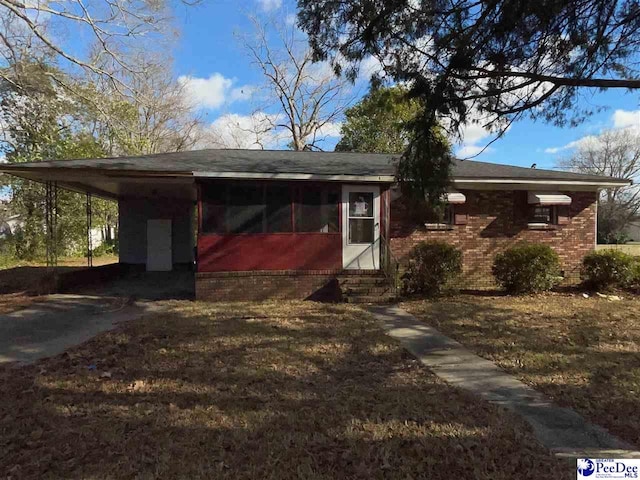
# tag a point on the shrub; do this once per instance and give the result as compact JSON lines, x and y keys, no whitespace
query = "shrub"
{"x":432,"y":267}
{"x":606,"y":269}
{"x":527,"y":268}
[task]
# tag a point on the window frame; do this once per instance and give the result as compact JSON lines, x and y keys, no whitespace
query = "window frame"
{"x":298,"y":201}
{"x":553,"y":216}
{"x":295,"y":199}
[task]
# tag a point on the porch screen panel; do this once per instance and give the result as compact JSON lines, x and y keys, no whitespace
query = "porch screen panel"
{"x":245,"y":210}
{"x":278,"y":209}
{"x":214,"y":201}
{"x":317,"y":210}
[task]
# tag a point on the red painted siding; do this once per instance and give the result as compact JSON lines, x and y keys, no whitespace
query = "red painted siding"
{"x":268,"y":251}
{"x":277,"y":251}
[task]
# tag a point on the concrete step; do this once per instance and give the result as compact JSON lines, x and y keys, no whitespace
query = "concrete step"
{"x":365,"y":289}
{"x":363,"y":281}
{"x":385,"y":298}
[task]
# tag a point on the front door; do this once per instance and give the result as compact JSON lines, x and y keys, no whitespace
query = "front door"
{"x":159,"y":255}
{"x":361,"y":227}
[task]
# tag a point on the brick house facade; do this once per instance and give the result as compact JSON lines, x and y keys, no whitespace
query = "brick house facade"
{"x":258,"y":224}
{"x":496,"y":220}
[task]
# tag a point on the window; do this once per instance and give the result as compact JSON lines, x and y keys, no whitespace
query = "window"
{"x":214,"y":202}
{"x":441,"y":218}
{"x":361,"y":227}
{"x":448,"y":216}
{"x":317,"y":210}
{"x":267,"y":208}
{"x":543,"y":215}
{"x":278,"y":202}
{"x":245,"y":209}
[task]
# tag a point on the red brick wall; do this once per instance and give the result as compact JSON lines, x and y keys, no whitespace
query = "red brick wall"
{"x":497,"y":220}
{"x":320,"y":285}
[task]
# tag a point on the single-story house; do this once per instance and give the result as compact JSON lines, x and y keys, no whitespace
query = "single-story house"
{"x":258,"y":223}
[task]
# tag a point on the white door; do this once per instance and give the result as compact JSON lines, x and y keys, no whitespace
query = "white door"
{"x":360,"y":227}
{"x":159,"y":258}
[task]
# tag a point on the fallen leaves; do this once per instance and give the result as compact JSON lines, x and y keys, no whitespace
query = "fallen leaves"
{"x":281,"y":390}
{"x":582,"y":351}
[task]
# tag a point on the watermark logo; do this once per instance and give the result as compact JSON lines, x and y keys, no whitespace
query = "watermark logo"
{"x":586,"y":467}
{"x":609,"y":468}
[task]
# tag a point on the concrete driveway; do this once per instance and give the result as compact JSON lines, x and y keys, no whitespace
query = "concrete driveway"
{"x":57,"y":322}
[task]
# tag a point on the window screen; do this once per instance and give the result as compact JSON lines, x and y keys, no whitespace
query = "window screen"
{"x":278,"y":209}
{"x":317,"y":210}
{"x":213,"y":209}
{"x":542,"y":215}
{"x":229,"y":209}
{"x":245,"y":209}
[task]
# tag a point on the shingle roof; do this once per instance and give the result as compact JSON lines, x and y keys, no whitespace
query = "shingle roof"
{"x":291,"y":162}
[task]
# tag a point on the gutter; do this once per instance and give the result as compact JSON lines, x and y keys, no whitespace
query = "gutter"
{"x":297,"y":176}
{"x":609,"y":183}
{"x":110,"y":173}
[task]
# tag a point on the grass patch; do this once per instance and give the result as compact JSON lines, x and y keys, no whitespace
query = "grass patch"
{"x":582,"y":352}
{"x":277,"y":390}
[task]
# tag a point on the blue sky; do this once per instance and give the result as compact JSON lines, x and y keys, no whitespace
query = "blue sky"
{"x":209,"y":56}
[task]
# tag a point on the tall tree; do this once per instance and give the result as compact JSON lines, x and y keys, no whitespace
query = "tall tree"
{"x":496,"y":60}
{"x":159,"y":118}
{"x":615,"y":153}
{"x":379,"y":122}
{"x":41,"y":123}
{"x":110,"y":30}
{"x":309,"y":98}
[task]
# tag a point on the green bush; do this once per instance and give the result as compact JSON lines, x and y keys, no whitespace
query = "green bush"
{"x":432,"y":268}
{"x":527,"y":268}
{"x":607,"y":269}
{"x":635,"y":272}
{"x":105,"y":248}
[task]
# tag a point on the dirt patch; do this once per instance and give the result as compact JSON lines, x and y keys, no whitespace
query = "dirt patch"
{"x":278,"y":390}
{"x":582,"y":352}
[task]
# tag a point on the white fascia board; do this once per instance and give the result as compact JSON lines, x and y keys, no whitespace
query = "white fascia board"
{"x":539,"y":183}
{"x":297,"y":177}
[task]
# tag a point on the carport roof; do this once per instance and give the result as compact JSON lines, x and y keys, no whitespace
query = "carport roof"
{"x":286,"y":164}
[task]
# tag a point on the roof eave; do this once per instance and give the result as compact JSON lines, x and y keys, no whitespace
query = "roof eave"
{"x":606,"y":183}
{"x":296,"y":177}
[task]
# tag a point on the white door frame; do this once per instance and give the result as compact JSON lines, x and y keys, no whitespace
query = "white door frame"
{"x":361,"y":256}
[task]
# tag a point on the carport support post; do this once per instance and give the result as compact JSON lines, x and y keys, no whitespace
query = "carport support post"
{"x":51,"y":221}
{"x":89,"y":236}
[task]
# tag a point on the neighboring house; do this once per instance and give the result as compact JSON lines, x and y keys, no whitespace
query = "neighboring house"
{"x":286,"y":224}
{"x":632,"y":231}
{"x":14,"y":223}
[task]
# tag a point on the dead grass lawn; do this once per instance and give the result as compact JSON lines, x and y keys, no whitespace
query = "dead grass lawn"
{"x":21,"y":284}
{"x":279,"y":390}
{"x":585,"y":353}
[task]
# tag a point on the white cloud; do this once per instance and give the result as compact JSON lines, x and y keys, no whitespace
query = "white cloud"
{"x":370,"y":66}
{"x":269,"y":5}
{"x":571,"y":145}
{"x":255,"y":131}
{"x":474,"y":138}
{"x":620,"y":120}
{"x":214,"y":91}
{"x":243,"y":131}
{"x":466,"y":151}
{"x":290,"y":20}
{"x":474,"y":132}
{"x":626,"y":118}
{"x":331,"y":130}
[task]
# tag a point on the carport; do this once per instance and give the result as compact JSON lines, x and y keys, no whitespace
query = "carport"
{"x":156,"y":225}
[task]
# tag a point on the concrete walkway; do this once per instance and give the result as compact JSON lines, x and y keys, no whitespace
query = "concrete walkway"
{"x":562,"y":430}
{"x":50,"y":326}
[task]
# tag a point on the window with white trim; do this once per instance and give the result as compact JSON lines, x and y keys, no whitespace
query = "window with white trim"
{"x":543,"y":214}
